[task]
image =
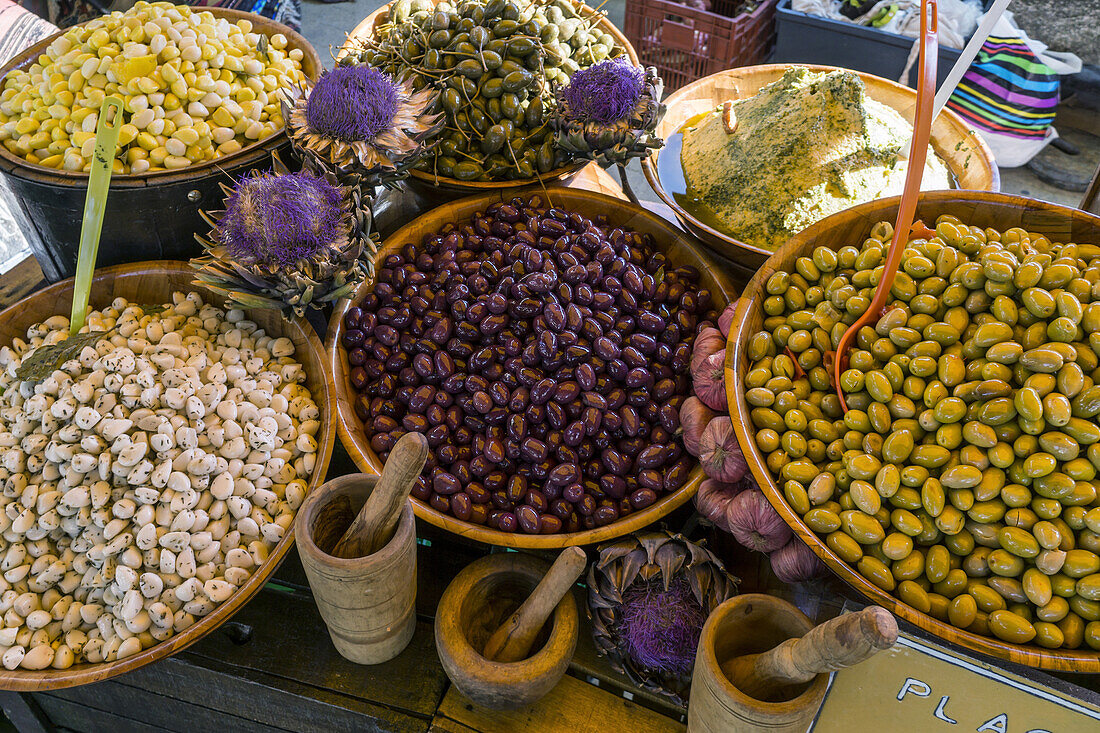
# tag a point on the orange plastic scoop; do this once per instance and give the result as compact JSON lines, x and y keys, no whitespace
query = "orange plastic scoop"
{"x":918,"y":152}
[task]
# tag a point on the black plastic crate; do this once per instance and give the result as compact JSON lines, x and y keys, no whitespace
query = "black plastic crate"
{"x":811,"y":39}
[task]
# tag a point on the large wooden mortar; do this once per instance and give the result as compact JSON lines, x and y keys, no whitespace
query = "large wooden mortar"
{"x":477,"y":601}
{"x":150,"y":216}
{"x":680,"y":248}
{"x":153,"y":282}
{"x":749,"y":624}
{"x":967,"y":156}
{"x":368,"y":603}
{"x":851,"y":227}
{"x":440,"y":188}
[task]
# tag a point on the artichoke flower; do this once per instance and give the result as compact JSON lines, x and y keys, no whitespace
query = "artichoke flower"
{"x":286,"y":241}
{"x":648,"y":596}
{"x":359,"y":124}
{"x":608,"y":113}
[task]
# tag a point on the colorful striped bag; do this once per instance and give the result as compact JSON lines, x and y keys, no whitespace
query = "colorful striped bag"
{"x":1010,"y":93}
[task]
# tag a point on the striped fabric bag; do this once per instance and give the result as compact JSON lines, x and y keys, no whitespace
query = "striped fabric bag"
{"x":20,"y":29}
{"x":1010,"y":93}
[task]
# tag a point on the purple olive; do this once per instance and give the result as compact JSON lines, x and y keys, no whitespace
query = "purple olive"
{"x":528,"y":519}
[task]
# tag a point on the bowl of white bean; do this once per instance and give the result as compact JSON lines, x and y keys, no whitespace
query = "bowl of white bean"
{"x":148,"y":485}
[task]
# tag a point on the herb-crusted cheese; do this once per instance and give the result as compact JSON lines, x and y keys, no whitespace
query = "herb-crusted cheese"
{"x":806,"y":146}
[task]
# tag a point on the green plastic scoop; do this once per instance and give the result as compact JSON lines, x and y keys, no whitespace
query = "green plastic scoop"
{"x":45,"y":359}
{"x":95,"y":204}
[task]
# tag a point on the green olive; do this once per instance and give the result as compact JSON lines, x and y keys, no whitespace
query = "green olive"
{"x":1011,"y":627}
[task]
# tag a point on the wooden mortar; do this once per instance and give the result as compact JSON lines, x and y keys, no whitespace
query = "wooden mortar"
{"x":733,"y":643}
{"x":368,"y":603}
{"x":480,"y":598}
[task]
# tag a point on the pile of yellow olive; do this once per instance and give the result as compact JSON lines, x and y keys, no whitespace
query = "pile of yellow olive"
{"x":963,"y":477}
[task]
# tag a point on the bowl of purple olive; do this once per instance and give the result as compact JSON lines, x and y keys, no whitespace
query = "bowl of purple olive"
{"x":541,"y":340}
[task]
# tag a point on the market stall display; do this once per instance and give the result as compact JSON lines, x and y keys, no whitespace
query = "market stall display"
{"x":969,"y":161}
{"x":529,"y":368}
{"x":541,"y":315}
{"x":497,"y":96}
{"x":152,"y":607}
{"x":190,"y":136}
{"x":914,"y":530}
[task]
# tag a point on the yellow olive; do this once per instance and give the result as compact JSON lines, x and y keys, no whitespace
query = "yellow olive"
{"x":954,"y":584}
{"x":843,"y":545}
{"x":962,"y":610}
{"x":1005,"y":563}
{"x":1011,"y":627}
{"x":1017,"y":541}
{"x":1092,"y":634}
{"x":988,"y":599}
{"x":876,"y":572}
{"x":937,"y":563}
{"x":1073,"y":628}
{"x":1048,"y":635}
{"x":862,"y":528}
{"x":1089,"y":587}
{"x":1079,"y":563}
{"x":912,"y":594}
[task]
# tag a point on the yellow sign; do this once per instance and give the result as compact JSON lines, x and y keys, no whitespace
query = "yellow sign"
{"x":920,"y":687}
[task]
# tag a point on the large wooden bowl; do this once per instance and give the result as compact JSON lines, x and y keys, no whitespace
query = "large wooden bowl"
{"x":153,"y":282}
{"x":677,"y":245}
{"x":967,"y":156}
{"x":428,"y":181}
{"x":999,"y":211}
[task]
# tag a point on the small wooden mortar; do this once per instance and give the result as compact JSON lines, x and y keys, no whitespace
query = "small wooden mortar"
{"x":368,"y":603}
{"x":482,"y":598}
{"x":779,"y":661}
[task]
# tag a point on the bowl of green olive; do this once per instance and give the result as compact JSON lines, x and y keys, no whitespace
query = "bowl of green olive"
{"x":960,"y":488}
{"x":495,"y":63}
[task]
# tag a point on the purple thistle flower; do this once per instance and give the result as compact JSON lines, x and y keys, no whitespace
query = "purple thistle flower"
{"x":278,"y":220}
{"x":352,"y":103}
{"x":660,"y":629}
{"x":605,"y":92}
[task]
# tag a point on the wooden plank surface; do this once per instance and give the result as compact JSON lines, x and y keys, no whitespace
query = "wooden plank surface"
{"x":290,"y":640}
{"x":572,"y":706}
{"x":265,"y":698}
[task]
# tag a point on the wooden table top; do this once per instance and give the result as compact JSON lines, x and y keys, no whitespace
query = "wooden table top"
{"x":272,"y":667}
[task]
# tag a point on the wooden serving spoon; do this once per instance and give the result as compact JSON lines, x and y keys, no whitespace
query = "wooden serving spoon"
{"x":375,"y":523}
{"x":903,"y":226}
{"x":837,"y":643}
{"x":513,"y":640}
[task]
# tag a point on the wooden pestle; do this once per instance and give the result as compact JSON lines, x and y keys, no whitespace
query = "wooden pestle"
{"x":835,"y":644}
{"x":375,"y":523}
{"x":513,"y":640}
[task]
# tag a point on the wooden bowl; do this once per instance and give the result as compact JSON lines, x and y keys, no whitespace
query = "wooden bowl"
{"x":999,"y":211}
{"x":149,"y":215}
{"x":967,"y":156}
{"x":431,"y":183}
{"x":152,"y":282}
{"x":677,"y":245}
{"x":475,"y":604}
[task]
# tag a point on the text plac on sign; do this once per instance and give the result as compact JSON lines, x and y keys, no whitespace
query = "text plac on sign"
{"x":996,"y":724}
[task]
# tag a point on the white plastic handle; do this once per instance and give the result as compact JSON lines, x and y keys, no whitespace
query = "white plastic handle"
{"x":968,"y":55}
